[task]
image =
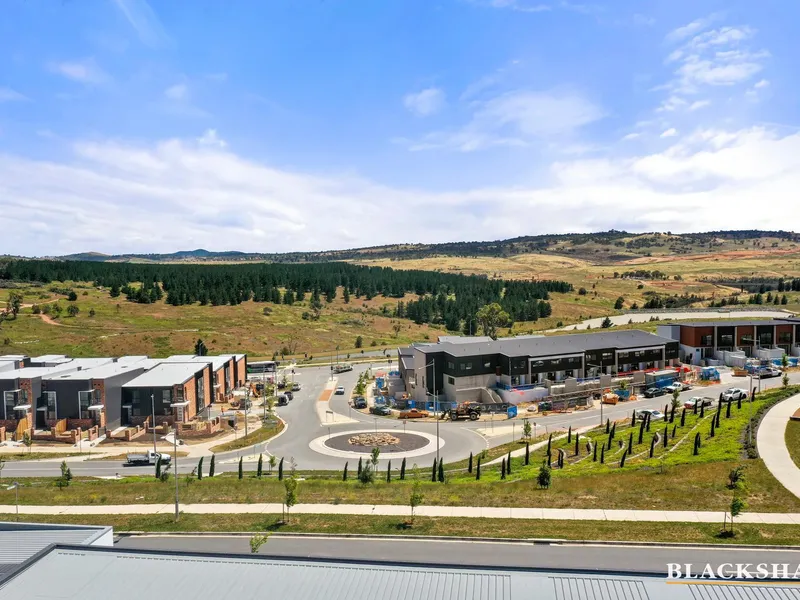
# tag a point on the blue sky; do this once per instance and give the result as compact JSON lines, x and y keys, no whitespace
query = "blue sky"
{"x":135,"y":126}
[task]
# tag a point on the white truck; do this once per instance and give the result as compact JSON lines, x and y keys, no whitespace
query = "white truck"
{"x":148,"y":458}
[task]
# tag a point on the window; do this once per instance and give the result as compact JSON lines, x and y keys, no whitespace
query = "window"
{"x":487,"y":364}
{"x":166,"y":397}
{"x":746,"y":339}
{"x":50,"y":399}
{"x":84,"y":402}
{"x":608,"y":355}
{"x":765,"y":339}
{"x":466,"y":366}
{"x":785,"y":337}
{"x":706,"y":340}
{"x":451,"y":366}
{"x":726,"y":339}
{"x":451,"y":380}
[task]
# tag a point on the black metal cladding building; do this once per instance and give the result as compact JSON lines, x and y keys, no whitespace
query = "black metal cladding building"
{"x":529,"y":360}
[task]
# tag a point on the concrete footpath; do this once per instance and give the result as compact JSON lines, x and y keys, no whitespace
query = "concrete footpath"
{"x":399,"y":510}
{"x":771,"y":441}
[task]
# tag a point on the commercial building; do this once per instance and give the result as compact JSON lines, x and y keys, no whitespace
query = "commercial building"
{"x":727,"y":341}
{"x":164,"y":385}
{"x":239,"y":368}
{"x":98,"y":573}
{"x":480,"y":369}
{"x":222,"y":373}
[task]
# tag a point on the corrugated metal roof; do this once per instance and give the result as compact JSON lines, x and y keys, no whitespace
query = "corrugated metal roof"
{"x":99,"y":372}
{"x":593,"y":588}
{"x":32,"y":372}
{"x":165,"y":374}
{"x":743,"y":592}
{"x":550,"y":346}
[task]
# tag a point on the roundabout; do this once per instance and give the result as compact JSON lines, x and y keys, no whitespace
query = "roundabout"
{"x":393,"y":444}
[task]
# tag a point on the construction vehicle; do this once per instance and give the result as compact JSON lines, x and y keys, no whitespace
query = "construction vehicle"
{"x":465,"y":409}
{"x":610,"y":397}
{"x":256,"y":389}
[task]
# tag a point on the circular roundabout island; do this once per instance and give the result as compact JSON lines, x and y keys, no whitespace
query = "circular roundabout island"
{"x":393,"y":443}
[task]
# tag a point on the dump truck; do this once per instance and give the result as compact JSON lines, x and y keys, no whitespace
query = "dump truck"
{"x":470,"y":410}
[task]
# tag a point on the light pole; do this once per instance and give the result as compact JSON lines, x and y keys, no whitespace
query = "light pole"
{"x":601,"y":391}
{"x":175,"y":405}
{"x":246,"y":404}
{"x":15,"y":486}
{"x":435,"y":406}
{"x":153,"y":424}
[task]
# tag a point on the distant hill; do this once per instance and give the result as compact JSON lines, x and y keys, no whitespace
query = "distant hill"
{"x":605,"y":246}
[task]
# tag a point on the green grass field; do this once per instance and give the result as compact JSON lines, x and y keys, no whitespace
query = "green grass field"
{"x":793,"y":440}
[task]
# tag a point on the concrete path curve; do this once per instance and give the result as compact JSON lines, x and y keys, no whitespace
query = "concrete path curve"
{"x":771,"y":440}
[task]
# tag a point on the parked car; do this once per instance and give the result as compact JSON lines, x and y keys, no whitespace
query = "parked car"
{"x":148,"y":458}
{"x":654,"y":391}
{"x":769,"y":372}
{"x":414,"y":413}
{"x":545,"y":405}
{"x":340,"y":390}
{"x":359,"y":402}
{"x":705,"y":400}
{"x":381,"y":410}
{"x":289,"y":395}
{"x":296,"y":386}
{"x":655,"y":415}
{"x":283,"y":400}
{"x":734,"y":394}
{"x":681,"y":386}
{"x":281,"y":384}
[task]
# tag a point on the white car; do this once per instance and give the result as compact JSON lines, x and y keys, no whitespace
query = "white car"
{"x":734,"y":394}
{"x":655,"y":415}
{"x":340,"y":390}
{"x":699,"y":401}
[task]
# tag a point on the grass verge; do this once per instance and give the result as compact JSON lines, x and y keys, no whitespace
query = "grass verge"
{"x":696,"y":533}
{"x":793,"y":440}
{"x":13,"y":457}
{"x":262,"y":434}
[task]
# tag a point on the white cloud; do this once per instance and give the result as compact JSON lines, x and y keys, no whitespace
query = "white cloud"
{"x":761,"y":84}
{"x":179,"y":91}
{"x":144,"y":21}
{"x":671,"y":104}
{"x":210,"y":138}
{"x":631,"y":136}
{"x":671,"y":132}
{"x":83,"y":71}
{"x":692,"y":28}
{"x":515,"y":119}
{"x":121,"y":197}
{"x":529,"y":7}
{"x":9,"y":95}
{"x":724,"y":36}
{"x":425,"y":102}
{"x":698,"y":104}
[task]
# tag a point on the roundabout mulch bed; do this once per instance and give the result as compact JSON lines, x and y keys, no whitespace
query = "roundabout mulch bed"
{"x":405,"y":442}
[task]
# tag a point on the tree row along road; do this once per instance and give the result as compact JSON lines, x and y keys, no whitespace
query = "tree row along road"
{"x":303,"y":425}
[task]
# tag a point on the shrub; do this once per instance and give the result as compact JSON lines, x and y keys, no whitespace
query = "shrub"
{"x":344,"y":472}
{"x":469,"y":465}
{"x":544,"y":478}
{"x":367,"y":475}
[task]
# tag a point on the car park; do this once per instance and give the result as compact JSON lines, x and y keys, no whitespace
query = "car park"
{"x":381,"y":410}
{"x":699,"y":401}
{"x":655,"y":415}
{"x":654,"y":391}
{"x":340,"y":390}
{"x":359,"y":402}
{"x":734,"y":394}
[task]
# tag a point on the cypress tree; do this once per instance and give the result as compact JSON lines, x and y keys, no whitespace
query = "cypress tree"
{"x":503,"y":469}
{"x":478,"y":470}
{"x":577,"y":444}
{"x":260,"y":467}
{"x":433,"y":471}
{"x":241,"y":471}
{"x":672,"y":415}
{"x":683,"y":417}
{"x":280,"y":470}
{"x":728,"y":409}
{"x":158,"y":467}
{"x":527,"y":453}
{"x":702,"y":409}
{"x":594,"y":453}
{"x":665,"y":435}
{"x":561,"y":460}
{"x":633,"y":418}
{"x":508,"y":463}
{"x":695,"y":406}
{"x":630,"y":441}
{"x":344,"y":472}
{"x":403,"y":470}
{"x":603,"y":454}
{"x":608,"y":425}
{"x":647,"y":420}
{"x":549,"y":444}
{"x":389,"y":472}
{"x":200,"y":468}
{"x":674,"y":429}
{"x":610,"y":439}
{"x":666,"y":410}
{"x":652,"y":445}
{"x":614,"y":430}
{"x":718,"y":416}
{"x":360,"y":467}
{"x":641,"y":430}
{"x":469,"y":466}
{"x":441,"y":470}
{"x":569,"y":434}
{"x":622,"y":460}
{"x":213,"y":465}
{"x":711,"y":431}
{"x":696,"y":450}
{"x":739,"y":403}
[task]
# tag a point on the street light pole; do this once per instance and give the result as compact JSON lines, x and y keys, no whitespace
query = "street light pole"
{"x":153,"y":424}
{"x":435,"y":407}
{"x":175,"y":462}
{"x":601,"y":391}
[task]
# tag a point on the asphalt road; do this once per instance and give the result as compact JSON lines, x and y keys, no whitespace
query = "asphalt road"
{"x":459,"y":438}
{"x":647,"y":559}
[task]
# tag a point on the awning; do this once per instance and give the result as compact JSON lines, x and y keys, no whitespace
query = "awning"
{"x":22,"y":407}
{"x":95,"y":407}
